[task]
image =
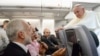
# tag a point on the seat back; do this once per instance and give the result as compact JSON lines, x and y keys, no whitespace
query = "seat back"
{"x":81,"y":36}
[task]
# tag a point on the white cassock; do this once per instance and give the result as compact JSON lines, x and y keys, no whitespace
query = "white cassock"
{"x":91,"y":21}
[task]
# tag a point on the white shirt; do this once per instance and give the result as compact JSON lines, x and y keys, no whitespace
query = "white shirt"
{"x":22,"y":46}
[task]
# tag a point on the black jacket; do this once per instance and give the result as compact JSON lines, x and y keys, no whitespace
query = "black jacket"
{"x":14,"y":50}
{"x":51,"y":42}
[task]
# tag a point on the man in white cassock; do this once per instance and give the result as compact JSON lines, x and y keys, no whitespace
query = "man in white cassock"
{"x":87,"y":18}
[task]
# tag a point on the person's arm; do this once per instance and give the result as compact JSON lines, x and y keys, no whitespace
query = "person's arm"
{"x":71,"y":23}
{"x":54,"y":39}
{"x":43,"y":48}
{"x":60,"y":52}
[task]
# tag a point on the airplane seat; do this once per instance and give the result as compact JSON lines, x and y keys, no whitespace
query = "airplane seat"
{"x":95,"y":38}
{"x":78,"y":41}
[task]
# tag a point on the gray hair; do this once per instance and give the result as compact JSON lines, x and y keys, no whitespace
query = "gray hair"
{"x":13,"y":27}
{"x":4,"y":41}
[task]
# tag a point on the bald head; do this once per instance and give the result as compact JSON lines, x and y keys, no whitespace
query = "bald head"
{"x":14,"y":26}
{"x":19,"y":31}
{"x":79,"y":10}
{"x":46,"y":32}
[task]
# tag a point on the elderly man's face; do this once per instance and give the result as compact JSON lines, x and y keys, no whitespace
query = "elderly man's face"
{"x":28,"y":34}
{"x":79,"y":12}
{"x":47,"y":32}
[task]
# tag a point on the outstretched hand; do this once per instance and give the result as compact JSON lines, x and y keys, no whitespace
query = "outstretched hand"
{"x":60,"y":52}
{"x":60,"y":28}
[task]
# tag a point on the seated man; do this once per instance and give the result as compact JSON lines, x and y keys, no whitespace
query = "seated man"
{"x":51,"y":41}
{"x":19,"y":34}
